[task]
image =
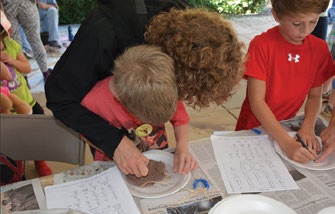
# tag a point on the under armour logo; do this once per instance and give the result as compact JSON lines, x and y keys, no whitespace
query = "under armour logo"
{"x":296,"y":58}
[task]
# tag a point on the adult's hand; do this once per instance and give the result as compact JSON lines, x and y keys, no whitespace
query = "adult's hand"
{"x":328,"y":142}
{"x":129,"y":159}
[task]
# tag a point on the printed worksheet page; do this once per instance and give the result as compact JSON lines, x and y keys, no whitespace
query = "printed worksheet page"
{"x":250,"y":164}
{"x":105,"y":193}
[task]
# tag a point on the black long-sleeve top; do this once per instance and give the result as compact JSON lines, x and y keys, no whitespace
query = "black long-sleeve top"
{"x":112,"y":27}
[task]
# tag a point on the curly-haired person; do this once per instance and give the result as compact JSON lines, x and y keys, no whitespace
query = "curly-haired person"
{"x":208,"y":64}
{"x":206,"y":52}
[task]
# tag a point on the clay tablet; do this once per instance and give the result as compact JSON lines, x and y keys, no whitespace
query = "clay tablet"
{"x":156,"y":173}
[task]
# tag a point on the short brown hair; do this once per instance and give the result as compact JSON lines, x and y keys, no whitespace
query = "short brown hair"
{"x":208,"y":56}
{"x":145,"y":84}
{"x":284,"y":7}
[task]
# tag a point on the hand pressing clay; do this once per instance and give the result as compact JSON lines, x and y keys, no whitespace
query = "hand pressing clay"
{"x":156,"y":173}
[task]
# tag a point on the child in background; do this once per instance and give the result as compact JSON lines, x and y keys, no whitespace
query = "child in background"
{"x":12,"y":56}
{"x":329,"y":96}
{"x":142,"y":96}
{"x":284,"y":65}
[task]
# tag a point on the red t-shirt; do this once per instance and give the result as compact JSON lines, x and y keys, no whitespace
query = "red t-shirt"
{"x":290,"y":71}
{"x":101,"y":101}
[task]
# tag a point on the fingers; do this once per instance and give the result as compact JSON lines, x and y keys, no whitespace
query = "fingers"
{"x":323,"y":156}
{"x":130,"y":160}
{"x":300,"y":154}
{"x":184,"y":164}
{"x":314,"y":144}
{"x":138,"y":168}
{"x":326,"y":151}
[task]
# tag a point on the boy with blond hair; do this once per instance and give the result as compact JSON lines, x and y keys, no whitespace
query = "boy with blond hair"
{"x":140,"y":97}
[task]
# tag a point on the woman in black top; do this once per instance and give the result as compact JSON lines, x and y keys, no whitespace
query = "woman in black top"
{"x":116,"y":25}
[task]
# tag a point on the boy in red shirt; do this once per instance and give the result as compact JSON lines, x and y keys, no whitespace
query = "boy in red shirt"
{"x":284,"y":65}
{"x":141,"y":97}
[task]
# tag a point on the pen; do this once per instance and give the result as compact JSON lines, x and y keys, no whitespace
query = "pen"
{"x":302,"y":142}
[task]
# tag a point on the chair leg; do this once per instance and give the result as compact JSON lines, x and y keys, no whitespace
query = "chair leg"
{"x":42,"y":168}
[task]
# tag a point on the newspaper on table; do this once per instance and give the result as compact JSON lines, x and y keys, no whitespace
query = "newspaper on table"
{"x":29,"y":194}
{"x":82,"y":172}
{"x":21,"y":196}
{"x":317,"y":188}
{"x":187,"y":201}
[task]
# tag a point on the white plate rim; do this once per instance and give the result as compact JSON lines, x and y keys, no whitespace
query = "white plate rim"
{"x":327,"y":210}
{"x":176,"y":187}
{"x":283,"y":155}
{"x":238,"y":199}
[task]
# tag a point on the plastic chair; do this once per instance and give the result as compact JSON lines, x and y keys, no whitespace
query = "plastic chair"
{"x":40,"y":137}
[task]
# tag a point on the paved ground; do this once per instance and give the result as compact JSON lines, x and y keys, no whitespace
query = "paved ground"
{"x":202,"y":123}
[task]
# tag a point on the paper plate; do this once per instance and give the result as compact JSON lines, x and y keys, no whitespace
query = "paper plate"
{"x":172,"y":184}
{"x":250,"y":204}
{"x":327,"y":164}
{"x":328,"y":210}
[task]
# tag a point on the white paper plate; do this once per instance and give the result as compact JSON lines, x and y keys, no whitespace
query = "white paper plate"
{"x":328,"y":210}
{"x":172,"y":184}
{"x":250,"y":204}
{"x":327,"y":164}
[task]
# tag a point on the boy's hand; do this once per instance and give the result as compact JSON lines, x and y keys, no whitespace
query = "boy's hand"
{"x":184,"y":162}
{"x":311,"y":141}
{"x":129,"y":159}
{"x":296,"y":152}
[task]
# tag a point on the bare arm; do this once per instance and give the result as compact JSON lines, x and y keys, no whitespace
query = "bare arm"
{"x":328,"y":137}
{"x":45,"y":6}
{"x":256,"y":91}
{"x":184,"y":162}
{"x":4,"y":72}
{"x":312,"y":109}
{"x":129,"y":159}
{"x":20,"y":63}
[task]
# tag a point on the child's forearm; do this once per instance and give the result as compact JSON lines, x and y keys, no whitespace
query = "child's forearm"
{"x":21,"y":64}
{"x":332,"y":118}
{"x":4,"y":72}
{"x":271,"y":125}
{"x":312,"y":109}
{"x":181,"y":135}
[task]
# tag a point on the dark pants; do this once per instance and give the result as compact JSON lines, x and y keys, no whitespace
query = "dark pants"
{"x":37,"y":109}
{"x":321,"y":28}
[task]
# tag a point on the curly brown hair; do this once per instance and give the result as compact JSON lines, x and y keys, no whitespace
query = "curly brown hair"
{"x":208,"y":56}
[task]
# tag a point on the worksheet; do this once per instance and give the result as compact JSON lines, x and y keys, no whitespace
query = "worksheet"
{"x":105,"y":193}
{"x":250,"y":164}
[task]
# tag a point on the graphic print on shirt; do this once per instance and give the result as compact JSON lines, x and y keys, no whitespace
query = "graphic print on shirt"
{"x":157,"y":139}
{"x":14,"y":83}
{"x":293,"y":58}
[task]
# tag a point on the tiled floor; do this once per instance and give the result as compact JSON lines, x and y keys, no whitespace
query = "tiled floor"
{"x":202,"y":123}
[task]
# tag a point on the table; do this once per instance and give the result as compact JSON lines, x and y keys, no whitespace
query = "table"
{"x":317,"y":188}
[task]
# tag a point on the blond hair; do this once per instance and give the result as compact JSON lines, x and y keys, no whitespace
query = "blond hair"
{"x":145,"y":84}
{"x":287,"y":7}
{"x":208,"y":55}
